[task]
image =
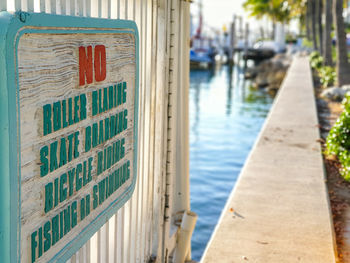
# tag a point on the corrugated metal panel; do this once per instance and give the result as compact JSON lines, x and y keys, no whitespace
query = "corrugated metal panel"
{"x":139,"y":231}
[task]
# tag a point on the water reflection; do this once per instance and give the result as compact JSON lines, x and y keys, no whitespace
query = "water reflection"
{"x":225,"y":118}
{"x":229,"y":89}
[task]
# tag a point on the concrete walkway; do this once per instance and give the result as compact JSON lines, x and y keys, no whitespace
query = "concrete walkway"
{"x":279,"y":209}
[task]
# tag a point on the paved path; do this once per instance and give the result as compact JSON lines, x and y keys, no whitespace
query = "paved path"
{"x":279,"y":209}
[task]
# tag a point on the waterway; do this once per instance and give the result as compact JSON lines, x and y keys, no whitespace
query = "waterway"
{"x":226,"y":115}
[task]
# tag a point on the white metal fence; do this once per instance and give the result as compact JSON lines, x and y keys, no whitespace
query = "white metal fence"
{"x":145,"y":229}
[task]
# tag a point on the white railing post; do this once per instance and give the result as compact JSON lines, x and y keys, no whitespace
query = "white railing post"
{"x":182,"y":124}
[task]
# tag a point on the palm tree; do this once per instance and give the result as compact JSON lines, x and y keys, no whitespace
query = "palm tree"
{"x":319,"y":6}
{"x":327,"y":41}
{"x":313,"y":23}
{"x":308,"y":20}
{"x":276,"y":10}
{"x":342,"y":65}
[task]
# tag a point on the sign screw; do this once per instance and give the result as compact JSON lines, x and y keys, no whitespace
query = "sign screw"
{"x":22,"y":17}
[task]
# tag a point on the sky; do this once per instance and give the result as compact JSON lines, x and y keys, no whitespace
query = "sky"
{"x":219,"y":12}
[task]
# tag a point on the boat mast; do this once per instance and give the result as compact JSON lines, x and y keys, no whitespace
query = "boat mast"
{"x":200,"y":16}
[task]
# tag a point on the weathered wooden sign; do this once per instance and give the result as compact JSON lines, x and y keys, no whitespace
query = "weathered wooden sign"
{"x":69,"y":111}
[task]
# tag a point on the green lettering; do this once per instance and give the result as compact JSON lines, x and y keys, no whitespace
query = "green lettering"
{"x":40,"y":248}
{"x":124,"y":92}
{"x":123,"y":174}
{"x":64,"y":114}
{"x":116,"y":124}
{"x":76,"y":144}
{"x":109,"y":157}
{"x":84,"y":174}
{"x":55,"y":230}
{"x":47,"y":236}
{"x":70,"y":111}
{"x":101,"y":191}
{"x":119,"y":99}
{"x":113,"y":154}
{"x":107,"y":129}
{"x":87,"y":138}
{"x":53,"y":156}
{"x":112,"y":126}
{"x":100,"y":138}
{"x":48,"y":197}
{"x":56,"y":192}
{"x":82,"y":107}
{"x":56,"y":116}
{"x":122,"y":148}
{"x":115,"y":96}
{"x":105,"y":99}
{"x":104,"y":159}
{"x":115,"y":180}
{"x":90,"y":169}
{"x":47,"y":119}
{"x":71,"y":180}
{"x":121,"y":121}
{"x":82,"y":209}
{"x":94,"y":135}
{"x":63,"y":152}
{"x":107,"y":187}
{"x":128,"y":170}
{"x":70,"y":147}
{"x":74,"y":214}
{"x":87,"y":209}
{"x":118,"y":178}
{"x":99,"y":162}
{"x":76,"y":109}
{"x":110,"y":96}
{"x":94,"y":195}
{"x":78,"y":180}
{"x":63,"y":189}
{"x":125,"y":122}
{"x":94,"y":103}
{"x":66,"y":220}
{"x":44,"y":166}
{"x":111,"y":183}
{"x":34,"y":245}
{"x":117,"y":151}
{"x":61,"y":224}
{"x":99,"y":101}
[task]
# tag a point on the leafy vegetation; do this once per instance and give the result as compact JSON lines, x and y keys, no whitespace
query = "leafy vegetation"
{"x":276,"y":10}
{"x":316,"y":60}
{"x":307,"y":43}
{"x":338,"y":140}
{"x":326,"y":74}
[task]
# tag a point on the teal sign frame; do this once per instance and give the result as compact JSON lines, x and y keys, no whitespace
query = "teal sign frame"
{"x":12,"y":26}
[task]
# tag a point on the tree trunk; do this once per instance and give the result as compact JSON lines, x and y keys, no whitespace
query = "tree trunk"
{"x":308,"y":20}
{"x":313,"y":23}
{"x":327,"y":40}
{"x":319,"y":23}
{"x":342,"y":67}
{"x":346,"y":5}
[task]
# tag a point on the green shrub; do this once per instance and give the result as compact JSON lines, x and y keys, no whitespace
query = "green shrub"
{"x":338,"y":139}
{"x":316,"y":60}
{"x":327,"y":76}
{"x":307,"y":43}
{"x":314,"y":55}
